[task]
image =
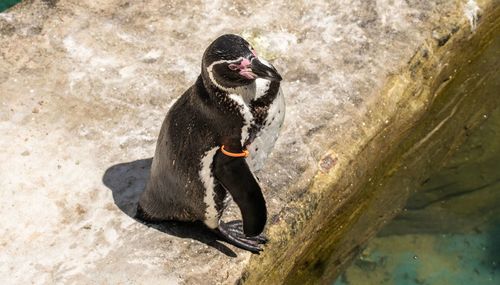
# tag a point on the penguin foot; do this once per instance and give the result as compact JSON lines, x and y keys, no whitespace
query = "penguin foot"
{"x":232,"y":232}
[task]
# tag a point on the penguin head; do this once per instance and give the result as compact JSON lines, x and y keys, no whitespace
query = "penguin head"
{"x":230,"y":62}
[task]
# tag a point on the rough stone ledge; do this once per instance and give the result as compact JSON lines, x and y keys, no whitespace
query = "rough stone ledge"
{"x":84,"y":86}
{"x":371,"y":185}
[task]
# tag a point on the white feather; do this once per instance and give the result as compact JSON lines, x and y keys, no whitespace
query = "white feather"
{"x":211,"y":214}
{"x":264,"y":142}
{"x":261,"y":86}
{"x":245,"y":113}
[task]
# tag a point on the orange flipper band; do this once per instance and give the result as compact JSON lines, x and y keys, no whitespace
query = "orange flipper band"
{"x":244,"y":153}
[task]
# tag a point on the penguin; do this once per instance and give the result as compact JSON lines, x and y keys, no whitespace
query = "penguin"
{"x":212,"y":141}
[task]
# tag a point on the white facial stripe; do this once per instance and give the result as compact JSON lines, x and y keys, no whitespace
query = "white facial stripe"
{"x":211,"y":214}
{"x":211,"y":74}
{"x":247,"y":116}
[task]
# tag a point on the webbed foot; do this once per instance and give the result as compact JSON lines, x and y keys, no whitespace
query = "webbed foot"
{"x":232,"y":232}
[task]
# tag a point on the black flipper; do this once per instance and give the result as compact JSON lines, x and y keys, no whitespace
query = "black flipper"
{"x":235,"y":176}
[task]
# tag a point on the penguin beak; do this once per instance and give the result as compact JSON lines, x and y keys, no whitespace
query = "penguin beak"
{"x":263,"y":69}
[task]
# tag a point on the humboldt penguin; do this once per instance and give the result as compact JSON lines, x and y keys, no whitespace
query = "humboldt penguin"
{"x":213,"y":139}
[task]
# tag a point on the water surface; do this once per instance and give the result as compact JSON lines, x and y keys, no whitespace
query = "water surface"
{"x":5,"y":4}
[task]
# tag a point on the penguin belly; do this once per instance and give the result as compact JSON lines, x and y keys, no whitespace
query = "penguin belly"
{"x":264,"y":141}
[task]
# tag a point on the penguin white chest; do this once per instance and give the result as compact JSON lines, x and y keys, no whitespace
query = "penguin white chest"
{"x":265,"y":139}
{"x":268,"y":132}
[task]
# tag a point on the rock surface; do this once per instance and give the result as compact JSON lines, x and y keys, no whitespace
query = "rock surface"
{"x":448,"y":231}
{"x":464,"y":194}
{"x":85,"y":85}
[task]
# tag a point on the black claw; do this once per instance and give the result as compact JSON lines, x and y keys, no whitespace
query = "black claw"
{"x":232,"y":232}
{"x":261,"y":238}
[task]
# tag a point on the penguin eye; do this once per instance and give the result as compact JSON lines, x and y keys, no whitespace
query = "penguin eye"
{"x":233,"y":66}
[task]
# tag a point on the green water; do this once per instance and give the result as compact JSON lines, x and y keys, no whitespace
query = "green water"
{"x":449,"y":232}
{"x":5,"y":4}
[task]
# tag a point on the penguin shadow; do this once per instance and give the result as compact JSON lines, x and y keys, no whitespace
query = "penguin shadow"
{"x":128,"y":180}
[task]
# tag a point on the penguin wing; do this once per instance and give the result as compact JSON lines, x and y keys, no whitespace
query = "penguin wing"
{"x":236,"y":177}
